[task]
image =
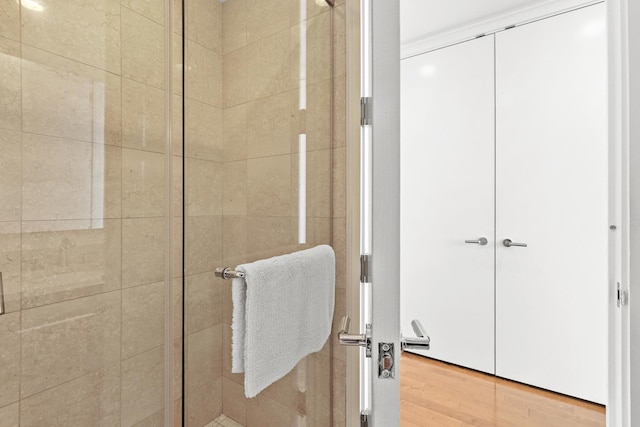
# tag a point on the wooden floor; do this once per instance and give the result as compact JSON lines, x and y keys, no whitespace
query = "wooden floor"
{"x":438,"y":394}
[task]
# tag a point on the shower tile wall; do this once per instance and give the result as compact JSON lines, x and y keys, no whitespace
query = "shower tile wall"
{"x":82,"y":226}
{"x":261,"y":124}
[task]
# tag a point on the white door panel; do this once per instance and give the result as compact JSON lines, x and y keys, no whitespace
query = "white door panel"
{"x":551,"y":193}
{"x":447,"y":175}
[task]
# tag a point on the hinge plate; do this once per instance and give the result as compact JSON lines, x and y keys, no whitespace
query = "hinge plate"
{"x":364,"y":418}
{"x":365,"y":260}
{"x":622,"y":296}
{"x":365,"y":111}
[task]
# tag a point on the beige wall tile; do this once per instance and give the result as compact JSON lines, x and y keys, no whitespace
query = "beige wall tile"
{"x":339,"y":183}
{"x":68,"y":99}
{"x":177,"y":247}
{"x":107,"y":174}
{"x":142,"y":251}
{"x":177,"y":413}
{"x":235,"y":133}
{"x":269,"y":130}
{"x":265,"y":17}
{"x":204,"y":402}
{"x":269,"y":65}
{"x":92,"y":399}
{"x":339,"y":40}
{"x":142,"y":184}
{"x":234,"y":403}
{"x":340,"y":309}
{"x":234,"y":240}
{"x":177,"y":370}
{"x":204,"y":187}
{"x":176,"y":130}
{"x":269,"y":186}
{"x":204,"y":356}
{"x":204,"y":301}
{"x":204,"y":24}
{"x":154,"y":420}
{"x":235,"y":75}
{"x":204,"y":375}
{"x":263,"y":411}
{"x":203,"y":244}
{"x":177,"y":16}
{"x":319,"y":48}
{"x":291,"y":389}
{"x":204,"y":74}
{"x":142,"y":318}
{"x":177,"y":188}
{"x":10,"y":175}
{"x":267,"y":236}
{"x":339,"y":399}
{"x":340,"y":248}
{"x":318,"y":116}
{"x":143,"y":116}
{"x":142,"y":49}
{"x":11,"y":87}
{"x":318,"y":182}
{"x":339,"y":112}
{"x":10,"y":19}
{"x":152,"y":9}
{"x":142,"y":386}
{"x":64,"y":341}
{"x":85,"y":32}
{"x":10,"y":357}
{"x":63,"y":260}
{"x":234,"y":188}
{"x":234,"y":28}
{"x":10,"y":264}
{"x":10,"y":415}
{"x":177,"y":307}
{"x":176,"y":72}
{"x":57,"y":178}
{"x":318,"y":231}
{"x":319,"y":380}
{"x":204,"y":131}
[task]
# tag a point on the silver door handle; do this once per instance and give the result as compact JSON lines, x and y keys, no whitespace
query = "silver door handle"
{"x":481,"y":241}
{"x":508,"y":243}
{"x":422,"y":342}
{"x":361,"y":340}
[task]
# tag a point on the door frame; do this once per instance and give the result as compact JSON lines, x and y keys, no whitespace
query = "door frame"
{"x":623,"y":32}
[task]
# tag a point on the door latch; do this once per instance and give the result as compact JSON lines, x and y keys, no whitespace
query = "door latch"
{"x":361,"y":340}
{"x":386,"y":360}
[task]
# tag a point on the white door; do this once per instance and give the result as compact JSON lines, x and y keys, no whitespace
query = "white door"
{"x":447,"y":199}
{"x":551,"y":193}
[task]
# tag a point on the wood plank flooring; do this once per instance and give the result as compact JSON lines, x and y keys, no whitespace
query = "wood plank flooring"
{"x":436,"y":394}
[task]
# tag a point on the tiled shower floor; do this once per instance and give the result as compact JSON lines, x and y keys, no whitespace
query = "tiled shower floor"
{"x":223,"y":421}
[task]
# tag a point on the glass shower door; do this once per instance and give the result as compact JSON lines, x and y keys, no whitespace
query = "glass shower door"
{"x":84,"y":235}
{"x":258,"y":168}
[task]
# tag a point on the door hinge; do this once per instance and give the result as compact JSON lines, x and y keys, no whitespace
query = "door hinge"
{"x":365,"y":416}
{"x":622,"y":296}
{"x":365,"y":111}
{"x":365,"y":277}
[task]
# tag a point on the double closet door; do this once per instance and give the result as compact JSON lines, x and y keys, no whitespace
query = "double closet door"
{"x":504,"y":202}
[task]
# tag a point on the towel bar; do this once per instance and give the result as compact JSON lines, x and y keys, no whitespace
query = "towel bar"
{"x":227,"y":273}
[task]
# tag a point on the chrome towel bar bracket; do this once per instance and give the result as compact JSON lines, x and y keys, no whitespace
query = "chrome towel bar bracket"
{"x":228,"y":273}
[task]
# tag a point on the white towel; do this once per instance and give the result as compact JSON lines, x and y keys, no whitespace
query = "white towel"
{"x":282,"y":311}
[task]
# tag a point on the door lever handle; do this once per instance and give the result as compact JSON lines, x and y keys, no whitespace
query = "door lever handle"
{"x":361,"y":340}
{"x":508,"y":243}
{"x":481,"y":241}
{"x":422,"y":342}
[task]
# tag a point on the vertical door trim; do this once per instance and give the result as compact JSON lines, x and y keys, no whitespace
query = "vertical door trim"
{"x":352,"y":384}
{"x":386,"y":204}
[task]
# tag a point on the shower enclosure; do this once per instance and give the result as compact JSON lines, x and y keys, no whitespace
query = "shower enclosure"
{"x":143,"y":143}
